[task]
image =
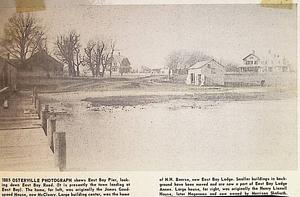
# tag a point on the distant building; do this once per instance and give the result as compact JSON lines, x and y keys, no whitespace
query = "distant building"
{"x":208,"y":72}
{"x":250,"y":63}
{"x":8,"y":75}
{"x":145,"y":69}
{"x":161,"y":71}
{"x":155,"y":71}
{"x":274,"y":63}
{"x":120,"y":64}
{"x":41,"y":64}
{"x":125,"y":66}
{"x":165,"y":71}
{"x":116,"y":63}
{"x":270,"y":63}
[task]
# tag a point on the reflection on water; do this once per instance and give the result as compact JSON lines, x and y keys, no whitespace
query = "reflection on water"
{"x":183,"y":135}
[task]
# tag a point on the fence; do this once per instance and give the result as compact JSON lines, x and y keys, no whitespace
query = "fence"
{"x":56,"y":140}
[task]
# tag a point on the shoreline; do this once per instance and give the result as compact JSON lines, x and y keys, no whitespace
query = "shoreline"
{"x":134,"y":100}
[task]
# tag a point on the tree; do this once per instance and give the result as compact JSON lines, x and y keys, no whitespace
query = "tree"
{"x":111,"y":58}
{"x":67,"y":49}
{"x":231,"y":67}
{"x":174,"y":60}
{"x":125,"y":66}
{"x":78,"y":61}
{"x":23,"y":37}
{"x":88,"y":60}
{"x":98,"y":57}
{"x":180,"y":61}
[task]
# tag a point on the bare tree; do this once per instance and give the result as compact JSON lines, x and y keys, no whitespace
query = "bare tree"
{"x":23,"y":37}
{"x":107,"y":58}
{"x":88,"y":60}
{"x":174,"y":61}
{"x":79,"y":59}
{"x":98,"y":57}
{"x":179,"y":61}
{"x":111,"y":58}
{"x":66,"y":48}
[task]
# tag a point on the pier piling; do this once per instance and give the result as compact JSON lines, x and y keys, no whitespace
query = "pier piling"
{"x":60,"y":150}
{"x":44,"y":117}
{"x":51,"y":129}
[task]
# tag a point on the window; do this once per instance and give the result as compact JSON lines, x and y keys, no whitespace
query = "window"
{"x":213,"y":70}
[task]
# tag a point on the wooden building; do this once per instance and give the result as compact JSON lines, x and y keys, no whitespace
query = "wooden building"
{"x":251,"y":63}
{"x":8,"y":75}
{"x":264,"y":64}
{"x":41,"y":64}
{"x":207,"y":73}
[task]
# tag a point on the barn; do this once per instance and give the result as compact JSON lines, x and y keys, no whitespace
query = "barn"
{"x":206,"y":73}
{"x":41,"y":64}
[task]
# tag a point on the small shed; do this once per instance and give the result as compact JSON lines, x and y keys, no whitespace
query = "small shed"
{"x":8,"y":75}
{"x":206,"y":73}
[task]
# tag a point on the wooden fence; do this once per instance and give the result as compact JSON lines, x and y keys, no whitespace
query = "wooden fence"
{"x":56,"y":140}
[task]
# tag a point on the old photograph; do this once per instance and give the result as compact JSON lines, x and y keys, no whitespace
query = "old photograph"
{"x":148,"y":87}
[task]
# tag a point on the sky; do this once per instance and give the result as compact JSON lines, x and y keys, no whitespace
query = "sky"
{"x":146,"y":34}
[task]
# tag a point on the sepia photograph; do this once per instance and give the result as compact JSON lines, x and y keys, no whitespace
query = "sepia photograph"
{"x":182,"y":87}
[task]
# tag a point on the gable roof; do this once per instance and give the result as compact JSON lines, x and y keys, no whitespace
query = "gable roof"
{"x":43,"y":56}
{"x":203,"y":63}
{"x":125,"y":62}
{"x":250,"y":55}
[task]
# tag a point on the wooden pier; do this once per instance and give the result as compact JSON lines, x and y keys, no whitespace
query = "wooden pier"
{"x":23,"y":143}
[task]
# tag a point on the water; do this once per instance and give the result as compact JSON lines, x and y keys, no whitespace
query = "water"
{"x":184,"y":135}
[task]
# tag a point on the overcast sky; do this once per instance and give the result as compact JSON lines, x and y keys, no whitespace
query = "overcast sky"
{"x":147,"y":34}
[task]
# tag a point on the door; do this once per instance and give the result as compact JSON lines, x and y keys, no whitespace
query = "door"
{"x":199,"y":79}
{"x":192,"y":78}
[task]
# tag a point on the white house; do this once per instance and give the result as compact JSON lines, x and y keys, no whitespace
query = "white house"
{"x":209,"y":72}
{"x":251,"y":63}
{"x":271,"y":63}
{"x":274,"y":63}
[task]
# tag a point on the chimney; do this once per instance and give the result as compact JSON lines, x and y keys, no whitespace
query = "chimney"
{"x":253,"y":51}
{"x":8,"y":56}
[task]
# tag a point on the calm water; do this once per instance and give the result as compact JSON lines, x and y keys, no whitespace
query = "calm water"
{"x":183,"y":135}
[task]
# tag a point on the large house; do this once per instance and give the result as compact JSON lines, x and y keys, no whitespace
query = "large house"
{"x":41,"y":64}
{"x":208,"y":72}
{"x":274,"y":63}
{"x":270,"y":63}
{"x":269,"y":70}
{"x":120,"y":64}
{"x":8,"y":75}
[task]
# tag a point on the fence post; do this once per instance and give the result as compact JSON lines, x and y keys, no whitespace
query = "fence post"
{"x":45,"y":115}
{"x":36,"y":99}
{"x":51,"y":129}
{"x":34,"y":96}
{"x":38,"y":108}
{"x":60,"y":150}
